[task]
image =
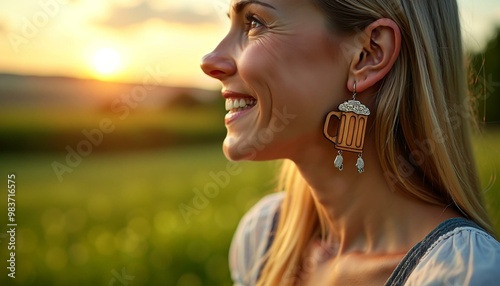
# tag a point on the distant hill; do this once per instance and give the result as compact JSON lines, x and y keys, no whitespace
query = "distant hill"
{"x":52,"y":114}
{"x":86,"y":94}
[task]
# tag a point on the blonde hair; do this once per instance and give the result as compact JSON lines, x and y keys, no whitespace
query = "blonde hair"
{"x":431,"y":160}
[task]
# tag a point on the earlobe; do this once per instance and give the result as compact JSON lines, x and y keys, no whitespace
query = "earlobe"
{"x":378,"y":52}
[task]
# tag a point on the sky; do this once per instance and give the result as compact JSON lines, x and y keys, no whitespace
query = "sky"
{"x":123,"y":40}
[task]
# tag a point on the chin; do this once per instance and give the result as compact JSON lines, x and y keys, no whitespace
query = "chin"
{"x":247,"y":150}
{"x":238,"y":151}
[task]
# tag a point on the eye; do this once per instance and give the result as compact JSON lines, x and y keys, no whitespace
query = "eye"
{"x":252,"y":22}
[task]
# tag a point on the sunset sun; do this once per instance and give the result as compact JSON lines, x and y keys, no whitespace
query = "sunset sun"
{"x":106,"y":62}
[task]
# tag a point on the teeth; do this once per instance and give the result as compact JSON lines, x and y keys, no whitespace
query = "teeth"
{"x":238,"y":104}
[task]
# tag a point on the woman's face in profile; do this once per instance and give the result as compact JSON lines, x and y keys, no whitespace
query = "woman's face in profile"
{"x":282,"y":69}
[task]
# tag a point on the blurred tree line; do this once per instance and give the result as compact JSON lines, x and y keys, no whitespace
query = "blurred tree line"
{"x":485,"y":82}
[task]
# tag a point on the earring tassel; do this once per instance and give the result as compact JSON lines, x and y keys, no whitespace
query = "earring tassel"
{"x":360,"y":164}
{"x":339,"y":161}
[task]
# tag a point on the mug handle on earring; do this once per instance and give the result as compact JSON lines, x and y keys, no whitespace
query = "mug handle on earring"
{"x":337,"y":114}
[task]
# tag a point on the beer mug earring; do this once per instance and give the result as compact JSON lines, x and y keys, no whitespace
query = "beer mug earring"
{"x":350,"y":135}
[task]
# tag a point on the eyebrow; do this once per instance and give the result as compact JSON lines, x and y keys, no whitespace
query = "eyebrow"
{"x":238,"y":7}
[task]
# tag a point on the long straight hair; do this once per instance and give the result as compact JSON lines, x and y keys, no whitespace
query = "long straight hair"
{"x":421,"y":125}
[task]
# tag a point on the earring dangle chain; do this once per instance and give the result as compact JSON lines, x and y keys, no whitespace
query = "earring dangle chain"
{"x":354,"y":93}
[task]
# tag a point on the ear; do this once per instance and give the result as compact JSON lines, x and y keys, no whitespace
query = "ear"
{"x":378,"y":50}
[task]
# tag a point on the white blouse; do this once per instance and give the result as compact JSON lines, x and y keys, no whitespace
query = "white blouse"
{"x":250,"y":240}
{"x":463,"y":256}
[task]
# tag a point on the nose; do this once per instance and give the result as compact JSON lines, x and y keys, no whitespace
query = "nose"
{"x":218,"y":65}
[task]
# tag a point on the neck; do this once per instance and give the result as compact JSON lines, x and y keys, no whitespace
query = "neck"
{"x":364,"y":212}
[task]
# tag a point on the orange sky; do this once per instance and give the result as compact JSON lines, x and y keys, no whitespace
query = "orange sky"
{"x":64,"y":37}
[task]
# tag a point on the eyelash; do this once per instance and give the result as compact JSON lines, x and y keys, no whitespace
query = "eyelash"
{"x":250,"y":20}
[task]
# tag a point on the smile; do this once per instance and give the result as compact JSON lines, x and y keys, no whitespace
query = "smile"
{"x":239,"y":104}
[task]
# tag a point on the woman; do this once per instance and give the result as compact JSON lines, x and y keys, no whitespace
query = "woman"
{"x":366,"y":101}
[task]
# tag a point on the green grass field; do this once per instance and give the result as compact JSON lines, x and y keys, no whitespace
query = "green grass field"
{"x":119,"y":212}
{"x":117,"y":216}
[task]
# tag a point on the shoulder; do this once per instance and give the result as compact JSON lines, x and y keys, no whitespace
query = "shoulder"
{"x":463,"y":256}
{"x":250,"y":239}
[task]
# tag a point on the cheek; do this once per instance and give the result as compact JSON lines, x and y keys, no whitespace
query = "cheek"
{"x":259,"y":64}
{"x":296,"y":86}
{"x":305,"y":76}
{"x":263,"y":69}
